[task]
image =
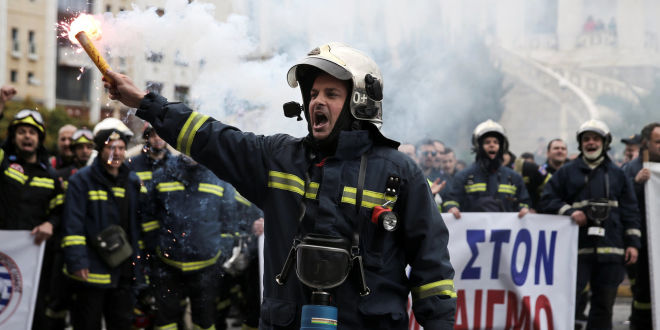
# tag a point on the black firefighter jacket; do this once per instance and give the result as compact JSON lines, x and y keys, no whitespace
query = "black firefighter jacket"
{"x":92,"y":204}
{"x":574,"y":185}
{"x":281,"y":174}
{"x":191,"y":216}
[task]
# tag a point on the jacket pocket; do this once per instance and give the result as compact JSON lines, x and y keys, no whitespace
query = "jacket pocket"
{"x":277,"y":312}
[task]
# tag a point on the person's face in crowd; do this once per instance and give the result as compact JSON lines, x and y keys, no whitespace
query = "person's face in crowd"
{"x":409,"y":150}
{"x":491,"y":146}
{"x":113,"y":153}
{"x":427,"y":154}
{"x":155,"y":141}
{"x":557,"y":152}
{"x":449,"y":162}
{"x":327,"y":99}
{"x":26,"y":139}
{"x":64,"y":139}
{"x":82,"y":152}
{"x":653,"y":145}
{"x":631,"y":152}
{"x":592,"y":145}
{"x":460,"y":165}
{"x":440,"y":149}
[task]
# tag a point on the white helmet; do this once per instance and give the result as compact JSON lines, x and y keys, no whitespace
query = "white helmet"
{"x":344,"y":63}
{"x":112,"y":123}
{"x":489,"y":126}
{"x":598,"y":127}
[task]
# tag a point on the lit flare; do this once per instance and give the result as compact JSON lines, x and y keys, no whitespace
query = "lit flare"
{"x":82,"y":31}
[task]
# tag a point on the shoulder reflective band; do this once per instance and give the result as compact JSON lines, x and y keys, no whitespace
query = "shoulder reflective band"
{"x":47,"y":183}
{"x":73,"y":240}
{"x":475,"y":187}
{"x":185,"y":139}
{"x":16,"y":175}
{"x":211,"y":189}
{"x":144,"y":176}
{"x":98,"y":195}
{"x":439,"y":288}
{"x":507,"y":189}
{"x":170,"y":186}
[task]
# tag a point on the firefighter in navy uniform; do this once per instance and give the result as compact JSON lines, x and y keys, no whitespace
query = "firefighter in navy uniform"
{"x":598,"y":196}
{"x":641,"y":306}
{"x":189,"y":210}
{"x":487,"y":185}
{"x":82,"y":144}
{"x":153,"y":155}
{"x":344,"y":185}
{"x":30,"y":195}
{"x":101,"y":234}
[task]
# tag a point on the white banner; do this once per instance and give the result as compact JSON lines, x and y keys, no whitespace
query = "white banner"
{"x":513,"y":273}
{"x":652,"y":195}
{"x":20,"y":267}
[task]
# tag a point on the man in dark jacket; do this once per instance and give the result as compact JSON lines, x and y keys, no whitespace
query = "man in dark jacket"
{"x":188,"y":230}
{"x":487,"y":185}
{"x":596,"y":194}
{"x":101,"y":234}
{"x":639,"y":272}
{"x":30,"y":195}
{"x":338,"y":185}
{"x":153,"y":155}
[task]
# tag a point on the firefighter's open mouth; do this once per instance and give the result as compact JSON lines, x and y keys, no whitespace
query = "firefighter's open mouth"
{"x":320,"y":119}
{"x":591,"y":149}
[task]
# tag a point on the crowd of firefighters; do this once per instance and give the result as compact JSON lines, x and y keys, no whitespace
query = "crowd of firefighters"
{"x":141,"y":238}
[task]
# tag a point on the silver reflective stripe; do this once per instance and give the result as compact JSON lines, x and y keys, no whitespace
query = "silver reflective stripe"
{"x":634,"y":232}
{"x":602,"y":250}
{"x":584,"y":203}
{"x":563,"y":209}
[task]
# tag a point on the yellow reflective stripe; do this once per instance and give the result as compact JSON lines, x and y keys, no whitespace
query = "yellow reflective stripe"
{"x":43,"y":182}
{"x":547,"y":178}
{"x":191,"y":265}
{"x":439,"y":288}
{"x":584,"y":203}
{"x":223,"y":304}
{"x":197,"y":327}
{"x":73,"y":240}
{"x":143,"y":190}
{"x":242,"y":199}
{"x":634,"y":232}
{"x":171,"y":326}
{"x":641,"y":305}
{"x":285,"y":181}
{"x":211,"y":189}
{"x":151,"y":225}
{"x":145,"y":175}
{"x":523,"y":205}
{"x":312,"y":190}
{"x":141,"y":244}
{"x":98,"y":195}
{"x":65,"y":185}
{"x":507,"y":189}
{"x":226,"y":235}
{"x":56,"y":201}
{"x":170,"y":186}
{"x":187,"y":134}
{"x":370,"y":199}
{"x":119,"y":192}
{"x":602,"y":250}
{"x":449,"y":204}
{"x":16,"y":175}
{"x":2,"y":154}
{"x":475,"y":187}
{"x":91,"y":278}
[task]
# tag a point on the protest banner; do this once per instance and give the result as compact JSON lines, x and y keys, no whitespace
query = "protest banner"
{"x":20,"y":267}
{"x":513,"y":273}
{"x":652,"y":195}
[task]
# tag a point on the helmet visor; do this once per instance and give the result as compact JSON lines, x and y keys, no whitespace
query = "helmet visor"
{"x":82,"y":137}
{"x":29,"y":117}
{"x":297,"y":72}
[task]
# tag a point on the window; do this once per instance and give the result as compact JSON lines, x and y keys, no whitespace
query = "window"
{"x":13,"y":76}
{"x":15,"y":46}
{"x":68,"y":87}
{"x":155,"y":57}
{"x":181,"y":93}
{"x":31,"y":80}
{"x":108,"y":8}
{"x":154,"y":87}
{"x":31,"y":43}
